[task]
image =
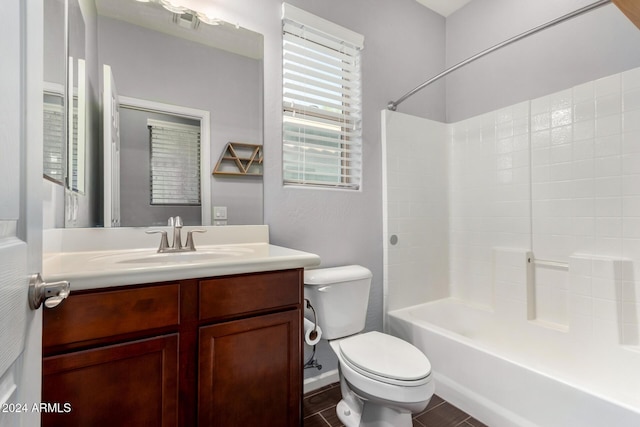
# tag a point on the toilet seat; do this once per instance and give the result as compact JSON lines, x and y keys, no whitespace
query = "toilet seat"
{"x":386,"y":358}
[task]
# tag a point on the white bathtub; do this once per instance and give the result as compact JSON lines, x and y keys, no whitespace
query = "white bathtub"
{"x":520,"y":373}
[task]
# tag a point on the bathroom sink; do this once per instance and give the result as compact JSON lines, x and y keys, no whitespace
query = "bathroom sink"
{"x":94,"y":258}
{"x":153,"y":257}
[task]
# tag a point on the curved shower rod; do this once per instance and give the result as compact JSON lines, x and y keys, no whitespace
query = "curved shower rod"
{"x":392,"y":105}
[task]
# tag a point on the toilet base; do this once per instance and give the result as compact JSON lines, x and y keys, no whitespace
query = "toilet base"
{"x":372,"y":416}
{"x":347,"y":416}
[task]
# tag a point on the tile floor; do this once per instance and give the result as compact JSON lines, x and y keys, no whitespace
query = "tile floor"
{"x":319,"y":408}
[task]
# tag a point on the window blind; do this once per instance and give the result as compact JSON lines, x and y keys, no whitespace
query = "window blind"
{"x":53,"y":141}
{"x":322,"y":133}
{"x":73,"y":155}
{"x":175,"y":163}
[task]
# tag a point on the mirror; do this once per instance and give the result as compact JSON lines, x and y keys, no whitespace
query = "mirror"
{"x":64,"y":98}
{"x":177,"y":64}
{"x":76,"y":99}
{"x":65,"y":112}
{"x":54,"y":70}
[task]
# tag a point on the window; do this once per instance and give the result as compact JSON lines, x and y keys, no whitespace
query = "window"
{"x":322,"y":136}
{"x":53,"y":138}
{"x":175,"y":163}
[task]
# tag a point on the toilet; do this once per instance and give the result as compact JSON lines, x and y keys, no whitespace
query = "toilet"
{"x":383,"y":379}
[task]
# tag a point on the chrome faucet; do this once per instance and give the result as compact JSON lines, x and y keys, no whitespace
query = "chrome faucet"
{"x":176,"y":223}
{"x":176,"y":245}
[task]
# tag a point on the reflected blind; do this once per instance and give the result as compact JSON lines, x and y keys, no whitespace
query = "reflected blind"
{"x":322,"y":117}
{"x":73,"y":179}
{"x":53,"y":140}
{"x":175,"y":163}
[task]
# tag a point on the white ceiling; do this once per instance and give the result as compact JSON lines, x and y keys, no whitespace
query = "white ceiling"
{"x":444,"y":7}
{"x":151,"y":15}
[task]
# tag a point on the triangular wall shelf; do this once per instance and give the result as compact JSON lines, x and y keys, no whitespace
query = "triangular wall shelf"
{"x":240,"y":158}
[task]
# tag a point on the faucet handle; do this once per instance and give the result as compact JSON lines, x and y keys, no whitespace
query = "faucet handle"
{"x":164,"y":242}
{"x":178,"y":222}
{"x":170,"y":222}
{"x":155,"y":232}
{"x":190,"y":244}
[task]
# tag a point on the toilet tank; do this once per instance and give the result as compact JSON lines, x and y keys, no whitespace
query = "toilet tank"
{"x":339,"y":296}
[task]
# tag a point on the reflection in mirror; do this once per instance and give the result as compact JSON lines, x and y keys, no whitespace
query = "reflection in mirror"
{"x":77,"y":125}
{"x":178,"y":59}
{"x":54,"y":89}
{"x":111,"y":148}
{"x":163,"y":156}
{"x":53,"y":133}
{"x":77,"y":99}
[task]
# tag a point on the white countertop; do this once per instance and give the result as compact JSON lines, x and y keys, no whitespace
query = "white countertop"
{"x":88,"y":266}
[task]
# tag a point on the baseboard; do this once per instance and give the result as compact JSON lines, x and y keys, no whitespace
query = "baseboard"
{"x":314,"y":383}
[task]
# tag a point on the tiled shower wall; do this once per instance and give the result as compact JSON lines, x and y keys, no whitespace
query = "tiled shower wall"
{"x":558,"y":176}
{"x":415,"y":210}
{"x":490,"y":197}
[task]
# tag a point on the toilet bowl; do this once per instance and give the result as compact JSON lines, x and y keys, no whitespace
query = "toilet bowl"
{"x":390,"y":377}
{"x":383,"y":379}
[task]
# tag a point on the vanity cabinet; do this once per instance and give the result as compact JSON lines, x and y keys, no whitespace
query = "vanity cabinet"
{"x":249,"y":369}
{"x":223,"y":351}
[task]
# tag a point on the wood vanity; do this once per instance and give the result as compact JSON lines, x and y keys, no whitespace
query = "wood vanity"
{"x":213,"y":351}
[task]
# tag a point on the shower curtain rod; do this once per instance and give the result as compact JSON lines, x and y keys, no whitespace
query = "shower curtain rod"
{"x":392,"y":105}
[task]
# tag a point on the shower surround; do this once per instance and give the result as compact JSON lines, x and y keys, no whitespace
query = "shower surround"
{"x":529,"y":215}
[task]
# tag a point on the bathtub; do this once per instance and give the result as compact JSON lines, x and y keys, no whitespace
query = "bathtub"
{"x":521,"y":373}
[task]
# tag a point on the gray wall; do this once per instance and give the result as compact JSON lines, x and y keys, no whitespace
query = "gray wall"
{"x":403,"y":42}
{"x":154,"y":66}
{"x":591,"y":46}
{"x":54,"y":51}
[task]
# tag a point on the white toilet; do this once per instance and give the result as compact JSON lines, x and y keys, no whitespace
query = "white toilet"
{"x":383,"y":379}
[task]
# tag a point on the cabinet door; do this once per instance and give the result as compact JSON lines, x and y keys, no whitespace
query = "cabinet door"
{"x":130,"y":384}
{"x":250,"y":372}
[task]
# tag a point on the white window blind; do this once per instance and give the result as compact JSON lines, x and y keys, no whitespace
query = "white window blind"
{"x":175,"y":163}
{"x":322,"y":118}
{"x":74,"y":155}
{"x":53,"y":141}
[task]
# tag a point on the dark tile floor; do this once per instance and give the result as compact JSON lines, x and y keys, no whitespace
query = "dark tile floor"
{"x":319,"y":408}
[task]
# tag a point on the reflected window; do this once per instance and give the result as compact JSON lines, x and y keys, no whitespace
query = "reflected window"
{"x":175,"y":163}
{"x":53,"y":136}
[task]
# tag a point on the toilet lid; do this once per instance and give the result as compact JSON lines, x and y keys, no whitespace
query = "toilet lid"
{"x":385,"y":356}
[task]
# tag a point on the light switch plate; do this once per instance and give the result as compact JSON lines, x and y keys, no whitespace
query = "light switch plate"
{"x":219,"y":213}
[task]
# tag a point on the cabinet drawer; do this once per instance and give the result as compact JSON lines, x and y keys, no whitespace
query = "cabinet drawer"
{"x":103,"y":314}
{"x":231,"y":296}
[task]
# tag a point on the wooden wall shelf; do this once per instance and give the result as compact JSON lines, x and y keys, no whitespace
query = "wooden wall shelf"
{"x":240,"y":159}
